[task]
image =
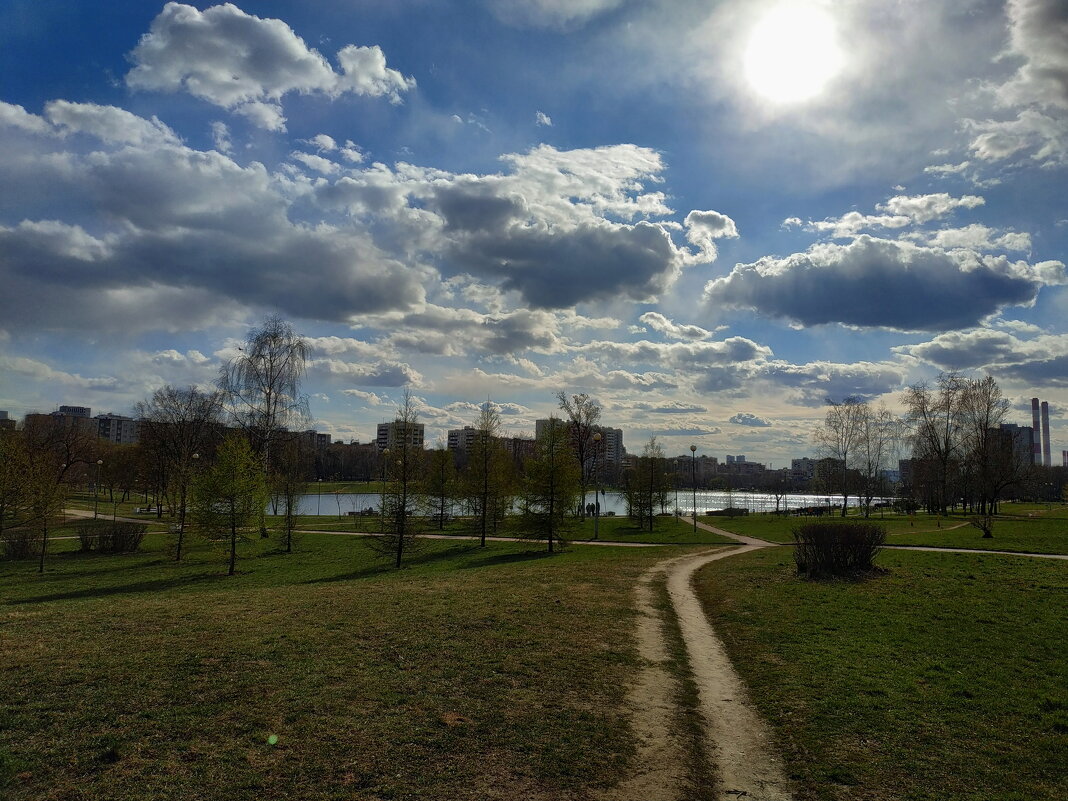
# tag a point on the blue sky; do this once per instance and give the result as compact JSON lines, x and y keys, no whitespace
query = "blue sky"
{"x":709,"y":216}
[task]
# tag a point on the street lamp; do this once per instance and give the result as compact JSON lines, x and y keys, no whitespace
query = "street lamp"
{"x":382,"y":503}
{"x":319,"y":500}
{"x":96,"y":485}
{"x":596,"y":487}
{"x":675,"y":481}
{"x":693,"y":481}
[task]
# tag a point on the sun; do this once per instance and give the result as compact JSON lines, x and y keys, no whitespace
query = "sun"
{"x":792,"y":53}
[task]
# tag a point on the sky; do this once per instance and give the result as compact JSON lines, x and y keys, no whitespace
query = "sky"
{"x":712,"y":217}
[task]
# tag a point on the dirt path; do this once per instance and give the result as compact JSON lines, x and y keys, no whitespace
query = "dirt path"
{"x":736,"y":742}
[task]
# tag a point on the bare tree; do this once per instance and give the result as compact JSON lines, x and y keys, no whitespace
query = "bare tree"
{"x":261,"y":387}
{"x":647,"y":485}
{"x":997,"y":459}
{"x":879,"y":430}
{"x":934,"y":419}
{"x":179,"y":425}
{"x":14,"y":466}
{"x":838,"y":438}
{"x":583,"y":414}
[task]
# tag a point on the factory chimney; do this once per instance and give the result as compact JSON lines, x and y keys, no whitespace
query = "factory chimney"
{"x":1046,"y":457}
{"x":1037,"y":426}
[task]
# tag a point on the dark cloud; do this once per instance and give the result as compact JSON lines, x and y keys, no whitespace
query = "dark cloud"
{"x":881,"y":283}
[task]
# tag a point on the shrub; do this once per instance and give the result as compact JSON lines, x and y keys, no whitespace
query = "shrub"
{"x":21,"y":543}
{"x":837,"y":549}
{"x":110,"y":536}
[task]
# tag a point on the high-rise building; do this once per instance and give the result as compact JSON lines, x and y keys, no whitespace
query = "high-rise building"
{"x":1046,"y":456}
{"x":462,"y":439}
{"x":611,"y":450}
{"x":392,"y":434}
{"x":1036,"y":425}
{"x":116,"y":428}
{"x":76,"y":411}
{"x":6,"y":421}
{"x":1023,"y":438}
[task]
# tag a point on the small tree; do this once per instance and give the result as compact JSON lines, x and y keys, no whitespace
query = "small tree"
{"x":551,"y":486}
{"x":179,"y":425}
{"x":287,"y":481}
{"x":583,"y":414}
{"x":439,"y":486}
{"x":487,"y":476}
{"x":14,"y":466}
{"x":262,"y":388}
{"x":230,"y":495}
{"x":646,"y":485}
{"x":403,"y":469}
{"x":839,"y":436}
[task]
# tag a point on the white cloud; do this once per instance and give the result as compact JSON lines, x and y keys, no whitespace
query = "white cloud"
{"x":924,"y":208}
{"x":220,"y":135}
{"x":659,"y":322}
{"x":322,"y":142}
{"x":268,"y":116}
{"x":549,"y":13}
{"x":108,"y":123}
{"x":541,"y":118}
{"x":351,"y":152}
{"x":14,"y":116}
{"x":316,"y":163}
{"x":749,"y":419}
{"x":245,"y":63}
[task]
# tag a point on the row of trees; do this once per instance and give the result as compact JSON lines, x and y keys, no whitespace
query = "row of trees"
{"x":960,"y":455}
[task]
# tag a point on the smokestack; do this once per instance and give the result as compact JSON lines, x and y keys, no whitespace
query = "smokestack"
{"x":1064,"y":458}
{"x":1046,"y":459}
{"x":1036,"y":454}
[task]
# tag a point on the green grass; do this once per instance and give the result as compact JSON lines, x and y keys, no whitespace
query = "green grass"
{"x":471,"y":673}
{"x":943,"y":679}
{"x":1021,"y":527}
{"x":668,"y":530}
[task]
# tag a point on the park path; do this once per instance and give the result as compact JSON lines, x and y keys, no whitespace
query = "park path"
{"x":488,"y":539}
{"x":736,"y":742}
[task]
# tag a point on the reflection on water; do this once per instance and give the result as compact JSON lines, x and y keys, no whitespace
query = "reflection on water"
{"x":329,"y":503}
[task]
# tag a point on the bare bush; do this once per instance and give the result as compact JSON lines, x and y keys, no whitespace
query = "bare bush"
{"x":837,"y":549}
{"x":110,"y":536}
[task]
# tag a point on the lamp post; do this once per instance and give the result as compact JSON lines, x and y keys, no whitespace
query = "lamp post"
{"x":96,"y":486}
{"x":693,"y":481}
{"x":675,"y":481}
{"x":319,"y":500}
{"x":596,"y":487}
{"x":382,"y":503}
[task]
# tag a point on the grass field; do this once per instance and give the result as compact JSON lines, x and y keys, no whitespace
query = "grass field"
{"x":1020,"y":527}
{"x":668,"y":530}
{"x":943,"y":679}
{"x":470,"y":674}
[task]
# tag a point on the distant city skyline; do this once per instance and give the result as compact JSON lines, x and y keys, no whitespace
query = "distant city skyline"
{"x":711,"y":217}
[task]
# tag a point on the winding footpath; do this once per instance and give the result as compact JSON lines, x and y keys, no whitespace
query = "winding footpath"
{"x":735,"y":739}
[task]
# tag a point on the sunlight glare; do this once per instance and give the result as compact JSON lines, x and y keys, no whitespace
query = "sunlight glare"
{"x":792,"y":53}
